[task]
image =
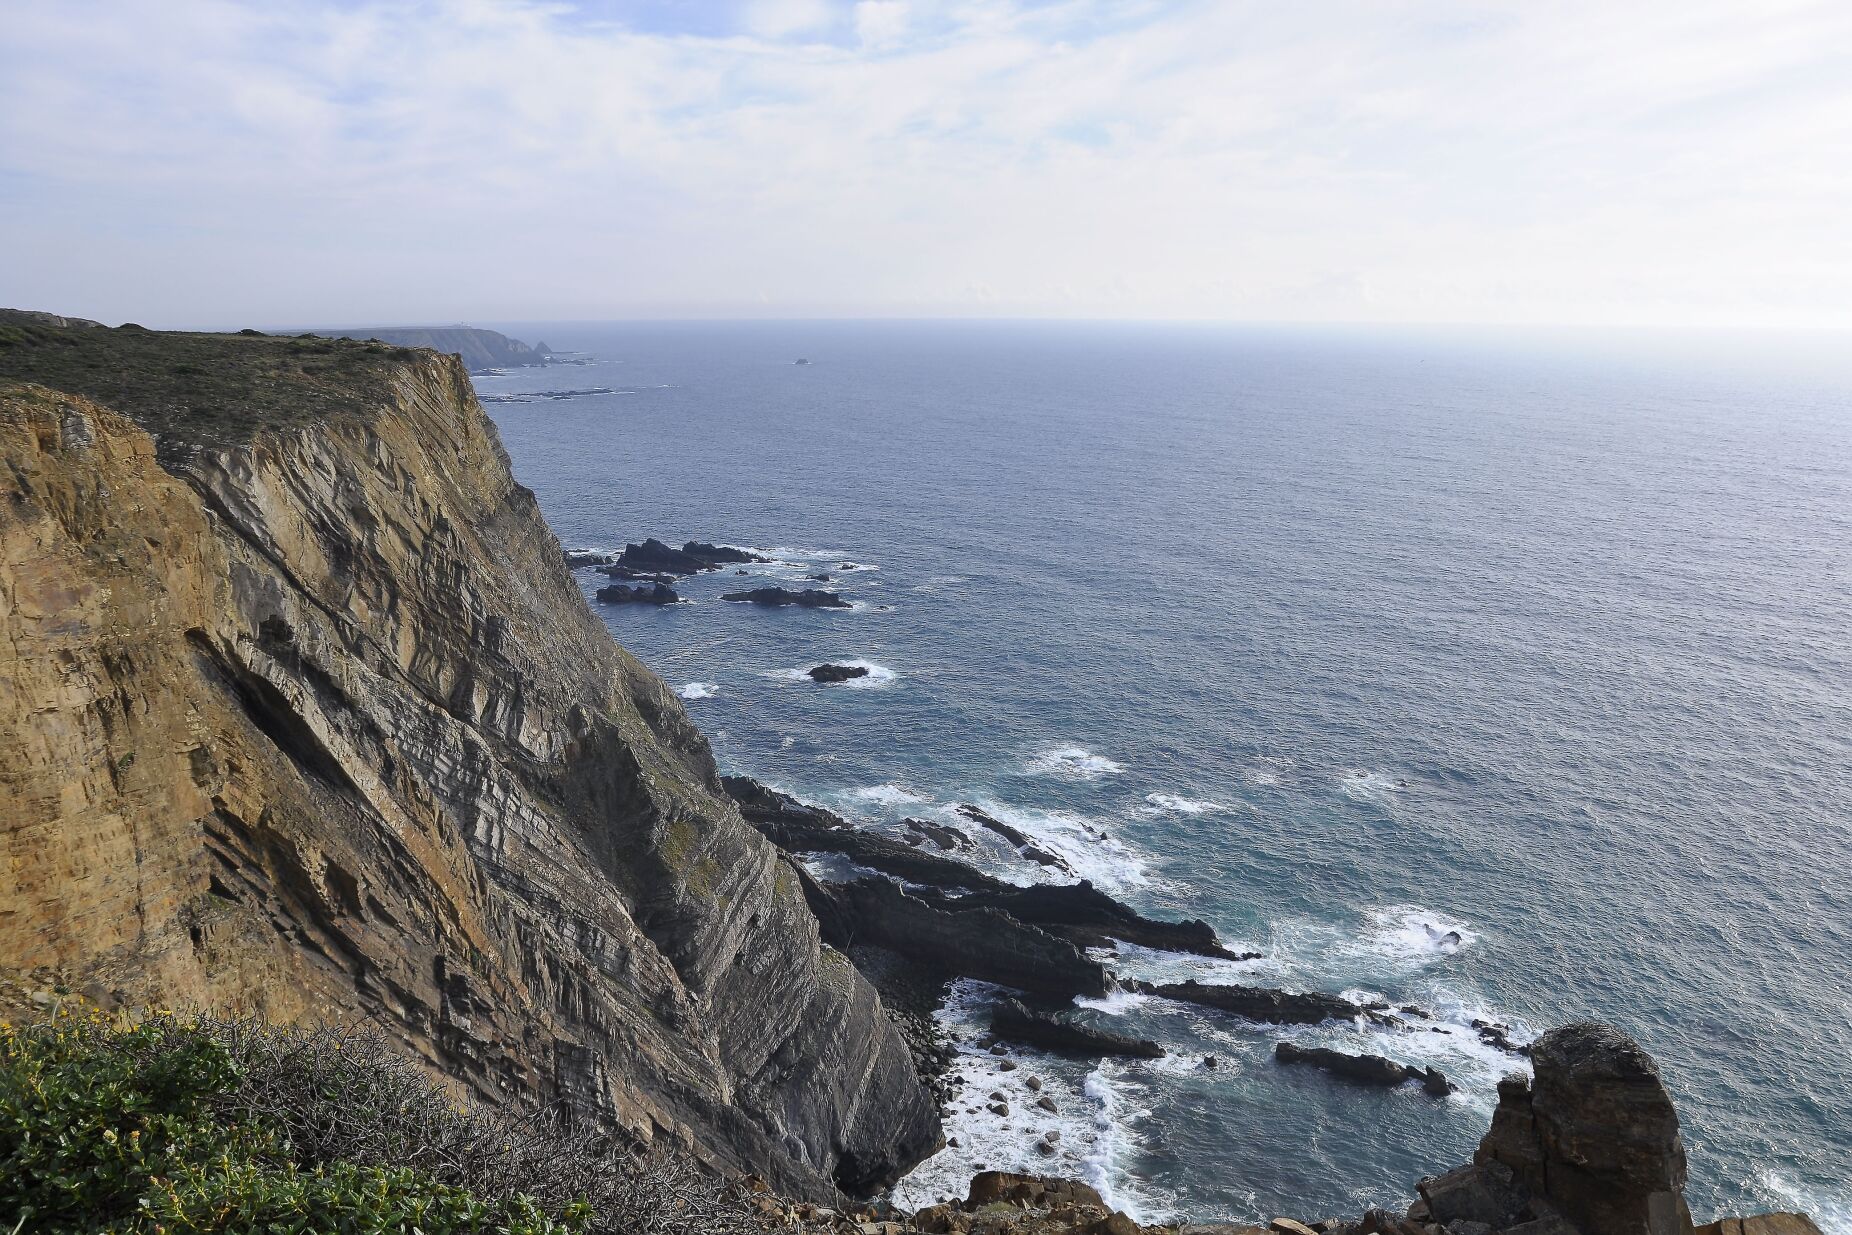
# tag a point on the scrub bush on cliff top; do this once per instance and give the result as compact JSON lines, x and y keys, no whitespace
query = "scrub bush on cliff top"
{"x":181,"y":1126}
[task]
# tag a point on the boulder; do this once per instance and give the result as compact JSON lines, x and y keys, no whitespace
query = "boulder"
{"x":1472,"y":1194}
{"x":991,"y":1187}
{"x":576,"y":558}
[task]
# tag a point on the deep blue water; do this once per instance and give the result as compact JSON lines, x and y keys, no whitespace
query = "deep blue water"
{"x":1332,"y":637}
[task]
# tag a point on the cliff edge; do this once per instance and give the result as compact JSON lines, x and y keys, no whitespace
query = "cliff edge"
{"x":300,"y":711}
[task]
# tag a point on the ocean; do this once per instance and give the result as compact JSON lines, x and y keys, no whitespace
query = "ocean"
{"x":1340,"y":639}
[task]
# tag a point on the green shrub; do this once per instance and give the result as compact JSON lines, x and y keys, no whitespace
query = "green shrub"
{"x":140,"y":1128}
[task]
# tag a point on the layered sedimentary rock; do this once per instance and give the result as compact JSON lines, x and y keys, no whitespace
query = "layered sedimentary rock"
{"x":308,"y":716}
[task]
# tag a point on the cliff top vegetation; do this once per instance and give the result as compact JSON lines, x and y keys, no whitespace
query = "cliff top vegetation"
{"x":207,"y":389}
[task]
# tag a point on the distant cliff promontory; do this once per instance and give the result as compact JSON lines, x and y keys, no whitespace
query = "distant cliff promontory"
{"x":480,"y":349}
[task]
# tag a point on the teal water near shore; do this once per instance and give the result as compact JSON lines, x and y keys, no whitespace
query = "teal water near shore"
{"x":1339,"y":640}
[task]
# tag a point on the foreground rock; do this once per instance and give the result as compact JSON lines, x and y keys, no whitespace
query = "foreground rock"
{"x":838,"y":673}
{"x":1259,"y":1003}
{"x":1006,"y":1203}
{"x":1595,"y":1135}
{"x":1014,"y":1020}
{"x":779,"y":597}
{"x":308,"y":716}
{"x":653,"y":594}
{"x":1367,"y":1069}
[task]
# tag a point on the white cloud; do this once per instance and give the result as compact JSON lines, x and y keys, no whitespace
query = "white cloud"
{"x":219,"y":161}
{"x":779,"y":18}
{"x":881,"y":23}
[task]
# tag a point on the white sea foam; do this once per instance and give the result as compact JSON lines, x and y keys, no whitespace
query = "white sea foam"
{"x":697,"y":690}
{"x":1409,"y":937}
{"x":1175,"y":804}
{"x":1087,"y":848}
{"x":987,"y":1141}
{"x":889,"y":795}
{"x":1129,"y":960}
{"x":1113,"y":1003}
{"x":1073,"y":763}
{"x":1830,"y":1210}
{"x":1367,"y":786}
{"x":835,"y":868}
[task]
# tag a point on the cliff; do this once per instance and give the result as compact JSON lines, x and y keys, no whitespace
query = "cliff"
{"x":301,"y":712}
{"x":480,"y":349}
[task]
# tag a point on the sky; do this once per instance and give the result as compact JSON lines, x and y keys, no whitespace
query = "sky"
{"x":214,"y":163}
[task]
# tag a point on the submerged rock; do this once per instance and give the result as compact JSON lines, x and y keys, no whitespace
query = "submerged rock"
{"x":778,"y":597}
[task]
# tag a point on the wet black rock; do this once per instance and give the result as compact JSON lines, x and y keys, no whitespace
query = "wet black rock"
{"x":797,"y":827}
{"x":653,"y":594}
{"x":578,"y":558}
{"x":692,"y":558}
{"x":1013,"y":1019}
{"x":943,"y":835}
{"x":980,"y":943}
{"x":1367,"y":1069}
{"x":1258,"y":1003}
{"x":778,"y":597}
{"x":1015,"y":836}
{"x":1091,"y":918}
{"x":837,"y":673}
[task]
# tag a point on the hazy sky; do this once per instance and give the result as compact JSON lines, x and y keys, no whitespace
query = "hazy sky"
{"x":208,"y":162}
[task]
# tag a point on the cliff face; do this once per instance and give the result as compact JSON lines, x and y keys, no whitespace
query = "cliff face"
{"x":308,"y":716}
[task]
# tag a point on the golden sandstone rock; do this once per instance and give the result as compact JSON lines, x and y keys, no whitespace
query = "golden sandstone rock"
{"x":306,"y":715}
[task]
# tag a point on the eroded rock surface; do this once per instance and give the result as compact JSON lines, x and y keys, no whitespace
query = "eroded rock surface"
{"x":313,"y":719}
